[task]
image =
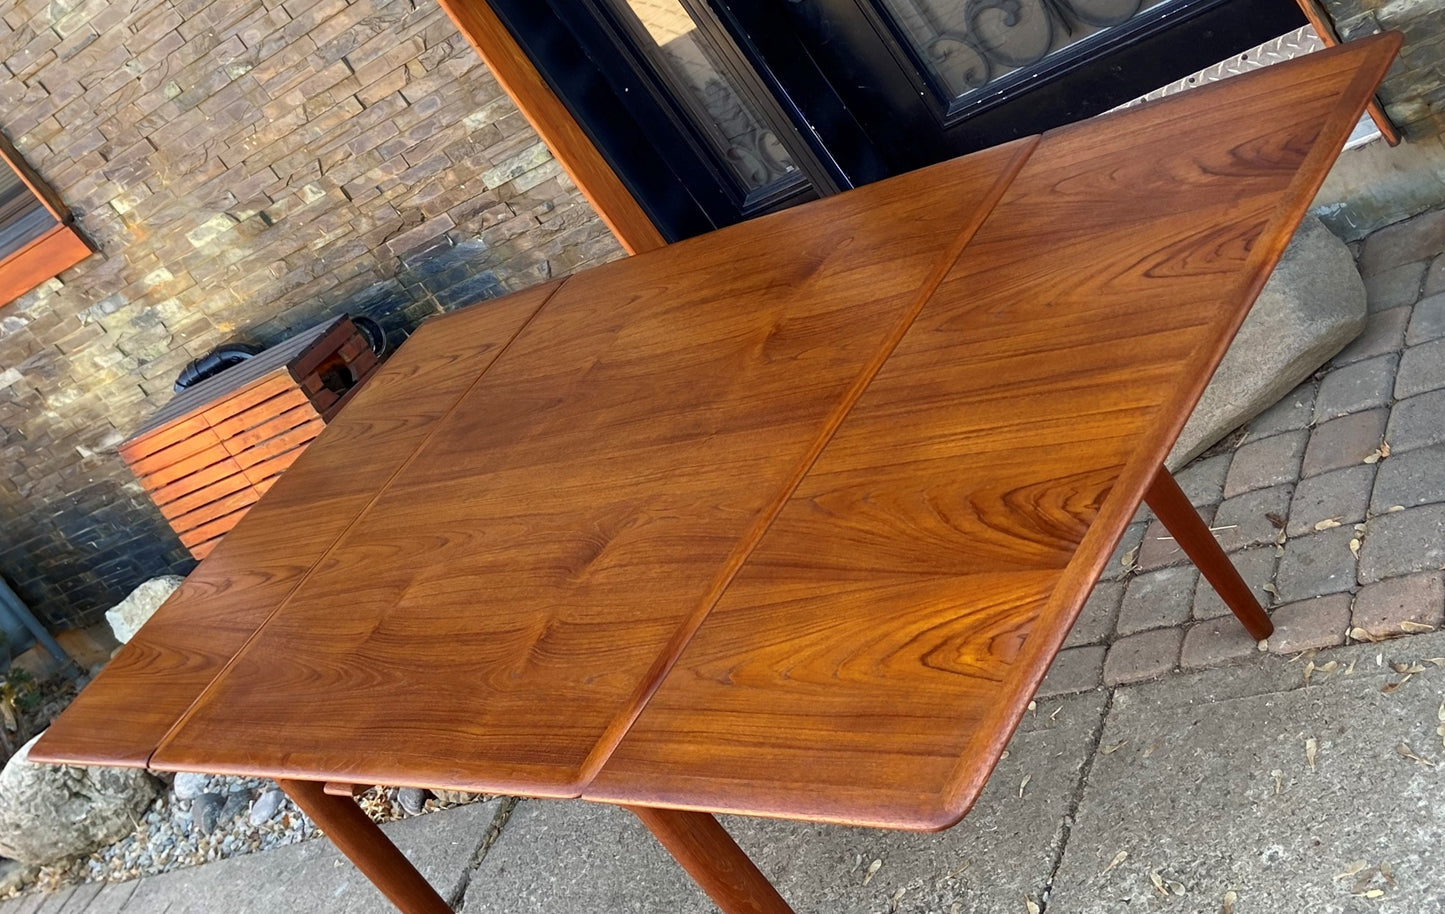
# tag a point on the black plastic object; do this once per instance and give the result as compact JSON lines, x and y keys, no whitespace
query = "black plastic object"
{"x":214,"y":362}
{"x":373,"y":333}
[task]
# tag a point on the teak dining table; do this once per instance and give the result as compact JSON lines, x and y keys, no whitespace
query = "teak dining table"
{"x":786,"y":520}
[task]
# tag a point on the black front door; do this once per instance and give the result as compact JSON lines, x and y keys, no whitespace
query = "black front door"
{"x":713,"y":111}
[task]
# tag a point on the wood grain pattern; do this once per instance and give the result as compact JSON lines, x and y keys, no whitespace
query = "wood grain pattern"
{"x":587,"y":501}
{"x":794,"y":516}
{"x":997,"y":453}
{"x":141,"y":694}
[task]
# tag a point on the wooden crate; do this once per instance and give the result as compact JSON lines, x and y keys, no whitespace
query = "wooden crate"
{"x":212,"y":451}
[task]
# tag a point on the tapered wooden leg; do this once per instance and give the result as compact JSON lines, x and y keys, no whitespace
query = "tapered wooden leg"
{"x":356,"y":836}
{"x":713,"y":860}
{"x":1178,"y":516}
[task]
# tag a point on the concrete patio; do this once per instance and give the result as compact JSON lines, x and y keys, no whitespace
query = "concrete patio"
{"x":1171,"y":762}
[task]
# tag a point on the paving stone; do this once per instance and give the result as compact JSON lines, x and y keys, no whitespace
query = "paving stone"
{"x":1422,"y":368}
{"x":1158,"y":548}
{"x":1317,"y":564}
{"x":1077,"y":669}
{"x":1402,"y":542}
{"x":1096,"y":618}
{"x":1310,"y":624}
{"x":1410,"y":479}
{"x":1395,"y":287}
{"x":1252,"y":518}
{"x":1404,"y":242}
{"x":1157,"y":598}
{"x":561,"y":857}
{"x":1342,"y":496}
{"x":1345,"y":441}
{"x":1351,"y":388}
{"x":1216,"y":641}
{"x":1428,"y":320}
{"x":1266,"y":462}
{"x":1191,"y":792}
{"x":1384,"y":333}
{"x":1142,"y":656}
{"x":1294,"y":410}
{"x":1435,"y":278}
{"x":313,"y":876}
{"x":1382,"y":608}
{"x":1256,"y":566}
{"x":1130,"y":542}
{"x":1202,"y":481}
{"x":1417,"y":422}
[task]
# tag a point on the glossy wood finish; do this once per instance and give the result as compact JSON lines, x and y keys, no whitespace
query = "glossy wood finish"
{"x":1192,"y":534}
{"x":709,"y":854}
{"x":141,"y":694}
{"x":790,"y":519}
{"x":551,"y":547}
{"x":44,"y":258}
{"x":569,"y":144}
{"x":356,"y":836}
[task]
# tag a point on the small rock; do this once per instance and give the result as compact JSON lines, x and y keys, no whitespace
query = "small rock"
{"x":266,"y":806}
{"x":454,"y":797}
{"x":189,"y":785}
{"x":50,"y":812}
{"x":206,"y":812}
{"x":412,"y":800}
{"x":127,"y":616}
{"x":236,"y":803}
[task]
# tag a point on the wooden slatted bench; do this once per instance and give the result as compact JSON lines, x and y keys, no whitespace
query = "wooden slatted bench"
{"x":212,"y":451}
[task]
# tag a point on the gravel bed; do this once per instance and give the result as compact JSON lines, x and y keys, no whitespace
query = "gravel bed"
{"x":200,"y":818}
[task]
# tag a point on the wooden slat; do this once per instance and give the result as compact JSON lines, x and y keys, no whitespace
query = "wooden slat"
{"x":566,"y":139}
{"x":164,"y":493}
{"x":273,"y":425}
{"x":220,"y":524}
{"x":202,"y":517}
{"x":277,"y":444}
{"x":163,"y":475}
{"x":260,"y":413}
{"x":197,"y":442}
{"x":180,"y":507}
{"x":162,"y":438}
{"x":1325,"y":28}
{"x":274,"y":384}
{"x":615,"y":464}
{"x":201,"y":550}
{"x":139,"y":696}
{"x":266,"y":470}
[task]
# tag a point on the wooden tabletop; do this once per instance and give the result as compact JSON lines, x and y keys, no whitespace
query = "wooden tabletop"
{"x":788,"y":519}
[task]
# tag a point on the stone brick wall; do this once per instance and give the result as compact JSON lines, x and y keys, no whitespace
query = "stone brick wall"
{"x":1413,"y":92}
{"x":245,"y":168}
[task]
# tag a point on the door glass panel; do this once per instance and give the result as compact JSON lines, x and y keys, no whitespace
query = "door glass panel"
{"x":969,"y":44}
{"x":693,"y":64}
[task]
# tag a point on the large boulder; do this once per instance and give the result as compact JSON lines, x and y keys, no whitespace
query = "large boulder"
{"x":127,"y":616}
{"x":52,"y":812}
{"x":1313,"y":304}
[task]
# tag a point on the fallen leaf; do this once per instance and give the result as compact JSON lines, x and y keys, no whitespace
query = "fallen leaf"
{"x":1410,"y":668}
{"x":1374,"y":456}
{"x":1118,"y":859}
{"x":1352,"y":870}
{"x":1312,"y":749}
{"x":1328,"y":667}
{"x":1394,"y":508}
{"x":1384,"y":449}
{"x":1404,"y":751}
{"x":1438,"y":661}
{"x":1355,"y":546}
{"x":1373,"y":893}
{"x":1230,"y":898}
{"x":1030,"y":905}
{"x":873,"y":869}
{"x":1350,"y":670}
{"x":1110,"y":750}
{"x":1309,"y":671}
{"x":1410,"y":626}
{"x":1389,"y":873}
{"x":1359,"y":634}
{"x":1004,"y":755}
{"x":1158,"y":881}
{"x":1149,"y":749}
{"x":1328,"y":523}
{"x":1033,"y":706}
{"x":1269,"y":588}
{"x":1178,"y":888}
{"x":1128,"y":558}
{"x":1024,"y":783}
{"x":1389,"y":687}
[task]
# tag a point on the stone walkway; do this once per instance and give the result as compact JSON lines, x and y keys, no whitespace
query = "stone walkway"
{"x":1170,"y":764}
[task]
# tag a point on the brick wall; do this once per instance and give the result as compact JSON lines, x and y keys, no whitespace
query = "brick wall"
{"x":1414,"y":91}
{"x":245,"y":168}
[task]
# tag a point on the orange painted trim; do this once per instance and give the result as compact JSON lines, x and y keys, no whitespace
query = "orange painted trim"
{"x":570,"y":145}
{"x":46,"y":257}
